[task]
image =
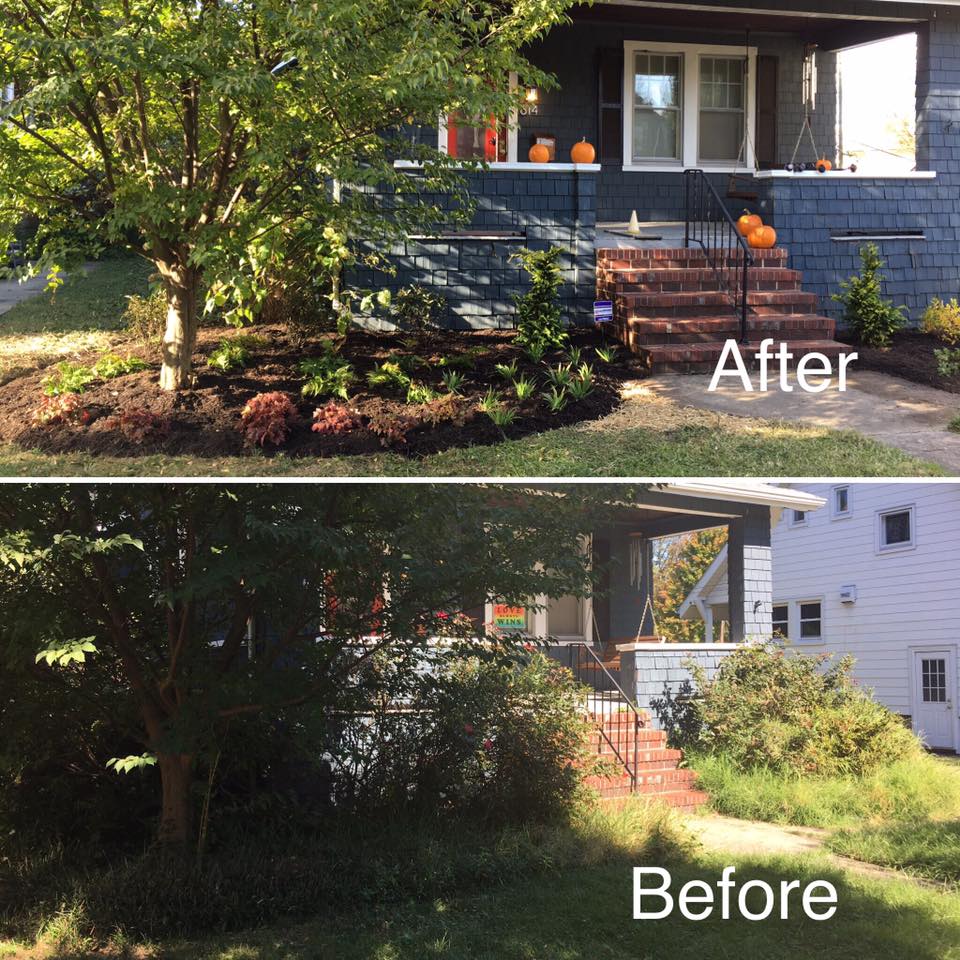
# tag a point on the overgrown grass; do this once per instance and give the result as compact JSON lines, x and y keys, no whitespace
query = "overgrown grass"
{"x":583,"y":912}
{"x":908,"y":791}
{"x":272,"y":876}
{"x":929,"y":849}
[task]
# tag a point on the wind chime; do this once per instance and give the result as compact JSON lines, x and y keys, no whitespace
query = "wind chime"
{"x":820,"y":163}
{"x":739,"y":185}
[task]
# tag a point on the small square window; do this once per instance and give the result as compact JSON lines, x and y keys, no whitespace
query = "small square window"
{"x":798,"y":517}
{"x":811,"y":625}
{"x":781,"y":620}
{"x":841,"y":502}
{"x":897,"y":529}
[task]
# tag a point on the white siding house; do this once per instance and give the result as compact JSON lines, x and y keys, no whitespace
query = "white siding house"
{"x":875,"y":573}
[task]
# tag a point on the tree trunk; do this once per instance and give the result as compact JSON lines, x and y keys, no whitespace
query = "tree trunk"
{"x":176,"y":816}
{"x":180,"y":335}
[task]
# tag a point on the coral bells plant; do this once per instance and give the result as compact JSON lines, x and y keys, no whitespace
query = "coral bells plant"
{"x":60,"y":409}
{"x":139,"y":424}
{"x":267,"y":418}
{"x":334,"y":418}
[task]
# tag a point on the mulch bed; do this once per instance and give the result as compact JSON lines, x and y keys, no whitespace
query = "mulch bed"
{"x":205,"y":420}
{"x":909,"y":356}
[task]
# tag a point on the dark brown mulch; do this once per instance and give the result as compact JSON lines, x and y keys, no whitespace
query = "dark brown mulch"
{"x":909,"y":356}
{"x":205,"y":420}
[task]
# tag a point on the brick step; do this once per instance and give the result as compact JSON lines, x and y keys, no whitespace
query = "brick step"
{"x":703,"y":357}
{"x":656,"y":742}
{"x":628,"y":306}
{"x":612,"y":282}
{"x":796,"y":326}
{"x":646,"y":785}
{"x":684,"y":255}
{"x":685,"y":800}
{"x":674,"y":260}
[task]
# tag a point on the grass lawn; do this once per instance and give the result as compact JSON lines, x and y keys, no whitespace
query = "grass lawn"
{"x":585,"y":913}
{"x":648,"y":436}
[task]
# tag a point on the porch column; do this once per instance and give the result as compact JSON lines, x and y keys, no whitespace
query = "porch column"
{"x":750,"y":576}
{"x":708,"y":624}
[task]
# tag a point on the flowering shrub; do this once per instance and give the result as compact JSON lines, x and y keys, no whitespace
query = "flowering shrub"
{"x":267,"y":418}
{"x":942,"y":320}
{"x":789,"y":712}
{"x":138,"y":424}
{"x":60,"y":408}
{"x":334,"y":418}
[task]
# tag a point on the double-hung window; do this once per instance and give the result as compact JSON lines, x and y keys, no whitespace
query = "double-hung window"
{"x":688,"y":105}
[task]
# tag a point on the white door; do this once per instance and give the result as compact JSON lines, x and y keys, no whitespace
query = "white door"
{"x":934,"y":676}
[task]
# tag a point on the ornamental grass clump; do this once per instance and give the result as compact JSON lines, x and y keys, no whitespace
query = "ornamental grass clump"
{"x":794,"y":714}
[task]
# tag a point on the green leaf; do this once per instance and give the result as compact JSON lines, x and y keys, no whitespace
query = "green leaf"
{"x":133,"y":762}
{"x":62,"y":655}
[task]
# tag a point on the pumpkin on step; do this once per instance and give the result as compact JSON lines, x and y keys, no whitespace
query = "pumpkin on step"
{"x":762,"y":238}
{"x":748,"y":222}
{"x":538,"y":153}
{"x":583,"y":152}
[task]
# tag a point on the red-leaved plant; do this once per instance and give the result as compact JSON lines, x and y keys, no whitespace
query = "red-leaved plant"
{"x":334,"y":418}
{"x":139,"y":423}
{"x":267,"y":418}
{"x":62,"y":408}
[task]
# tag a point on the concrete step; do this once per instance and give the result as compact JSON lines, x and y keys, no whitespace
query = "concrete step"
{"x":662,"y":330}
{"x":703,"y":357}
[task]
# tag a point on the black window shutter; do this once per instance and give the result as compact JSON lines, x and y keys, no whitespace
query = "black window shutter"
{"x":610,"y":104}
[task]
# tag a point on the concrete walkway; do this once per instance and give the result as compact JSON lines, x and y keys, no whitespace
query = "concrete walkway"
{"x":895,"y":412}
{"x":12,"y":292}
{"x":754,"y":838}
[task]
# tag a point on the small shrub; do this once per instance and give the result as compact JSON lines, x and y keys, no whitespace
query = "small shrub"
{"x":948,"y":361}
{"x":524,"y":388}
{"x":954,"y":424}
{"x":942,"y":320}
{"x":447,"y":408}
{"x":454,"y":381}
{"x":327,"y":375}
{"x":138,"y":424}
{"x":556,"y":399}
{"x":607,"y":354}
{"x":539,"y":319}
{"x":559,"y":376}
{"x":334,"y":418}
{"x":871,"y":317}
{"x":389,"y":374}
{"x":795,"y":713}
{"x":110,"y":366}
{"x":146,"y":317}
{"x":417,"y":308}
{"x":420,"y":393}
{"x":60,"y":408}
{"x":267,"y":418}
{"x":68,"y":378}
{"x":392,"y":428}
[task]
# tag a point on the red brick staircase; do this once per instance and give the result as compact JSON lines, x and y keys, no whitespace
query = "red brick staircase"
{"x":635,"y":756}
{"x":668,"y":307}
{"x":659,"y":775}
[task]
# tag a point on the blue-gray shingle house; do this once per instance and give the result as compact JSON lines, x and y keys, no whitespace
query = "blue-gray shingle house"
{"x":727,"y":87}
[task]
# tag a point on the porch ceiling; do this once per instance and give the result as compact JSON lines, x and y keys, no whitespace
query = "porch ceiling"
{"x":829,"y":30}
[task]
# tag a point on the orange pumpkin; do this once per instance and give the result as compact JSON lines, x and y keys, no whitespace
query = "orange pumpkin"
{"x":762,"y":238}
{"x":583,"y":152}
{"x":748,"y":222}
{"x":538,"y":153}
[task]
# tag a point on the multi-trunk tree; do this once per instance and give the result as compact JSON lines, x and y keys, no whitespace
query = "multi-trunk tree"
{"x":214,"y":137}
{"x":165,"y":612}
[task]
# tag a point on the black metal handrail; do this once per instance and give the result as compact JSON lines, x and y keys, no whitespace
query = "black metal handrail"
{"x":608,"y":699}
{"x":708,"y":223}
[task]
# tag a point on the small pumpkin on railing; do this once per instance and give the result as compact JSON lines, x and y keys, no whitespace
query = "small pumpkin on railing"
{"x":538,"y":153}
{"x":748,"y":222}
{"x":583,"y":152}
{"x":762,"y":238}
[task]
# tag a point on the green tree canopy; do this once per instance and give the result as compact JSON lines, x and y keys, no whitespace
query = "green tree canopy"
{"x":209,"y":136}
{"x":129,"y":607}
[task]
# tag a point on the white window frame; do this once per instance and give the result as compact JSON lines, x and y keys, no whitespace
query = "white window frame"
{"x":786,"y":604}
{"x":513,"y":129}
{"x":690,"y":54}
{"x":794,"y":522}
{"x":883,"y":549}
{"x":796,"y":635}
{"x":835,"y":512}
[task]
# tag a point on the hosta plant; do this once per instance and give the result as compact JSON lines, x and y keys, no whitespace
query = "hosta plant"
{"x":326,"y":375}
{"x":111,"y":365}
